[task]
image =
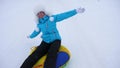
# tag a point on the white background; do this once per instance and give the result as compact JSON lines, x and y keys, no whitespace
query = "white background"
{"x":93,"y":37}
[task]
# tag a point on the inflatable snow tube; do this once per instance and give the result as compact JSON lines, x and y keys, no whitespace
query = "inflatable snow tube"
{"x":62,"y":59}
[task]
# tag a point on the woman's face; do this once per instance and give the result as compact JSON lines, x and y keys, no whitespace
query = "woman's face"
{"x":41,"y":14}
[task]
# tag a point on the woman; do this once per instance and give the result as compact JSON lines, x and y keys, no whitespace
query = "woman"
{"x":51,"y":39}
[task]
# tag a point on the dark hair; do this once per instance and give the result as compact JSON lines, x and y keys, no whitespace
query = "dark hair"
{"x":40,"y":12}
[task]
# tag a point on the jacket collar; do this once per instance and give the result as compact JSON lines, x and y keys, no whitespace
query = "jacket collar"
{"x":44,"y":19}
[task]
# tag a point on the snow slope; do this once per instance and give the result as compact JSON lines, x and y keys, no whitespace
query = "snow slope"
{"x":92,"y":37}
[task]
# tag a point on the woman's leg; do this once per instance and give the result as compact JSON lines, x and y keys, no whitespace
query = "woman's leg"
{"x":52,"y":54}
{"x":41,"y":50}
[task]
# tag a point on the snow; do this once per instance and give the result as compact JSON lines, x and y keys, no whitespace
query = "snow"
{"x":93,"y":37}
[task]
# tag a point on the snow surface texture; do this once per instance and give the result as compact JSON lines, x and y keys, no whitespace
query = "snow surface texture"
{"x":92,"y":37}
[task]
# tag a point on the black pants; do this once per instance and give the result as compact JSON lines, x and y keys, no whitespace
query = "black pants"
{"x":42,"y":49}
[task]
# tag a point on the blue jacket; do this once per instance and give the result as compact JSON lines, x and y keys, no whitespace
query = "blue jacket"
{"x":47,"y":25}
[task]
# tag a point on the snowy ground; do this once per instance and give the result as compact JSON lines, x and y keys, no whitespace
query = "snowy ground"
{"x":92,"y":37}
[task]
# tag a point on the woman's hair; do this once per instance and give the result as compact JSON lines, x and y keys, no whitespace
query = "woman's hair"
{"x":41,"y":12}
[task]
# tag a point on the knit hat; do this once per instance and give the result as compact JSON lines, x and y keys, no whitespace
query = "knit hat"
{"x":37,"y":10}
{"x":41,"y":8}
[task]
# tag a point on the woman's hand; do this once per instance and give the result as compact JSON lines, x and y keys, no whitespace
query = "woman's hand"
{"x":80,"y":10}
{"x":28,"y":37}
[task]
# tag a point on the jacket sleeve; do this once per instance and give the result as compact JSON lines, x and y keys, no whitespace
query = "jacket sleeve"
{"x":35,"y":32}
{"x":65,"y":15}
